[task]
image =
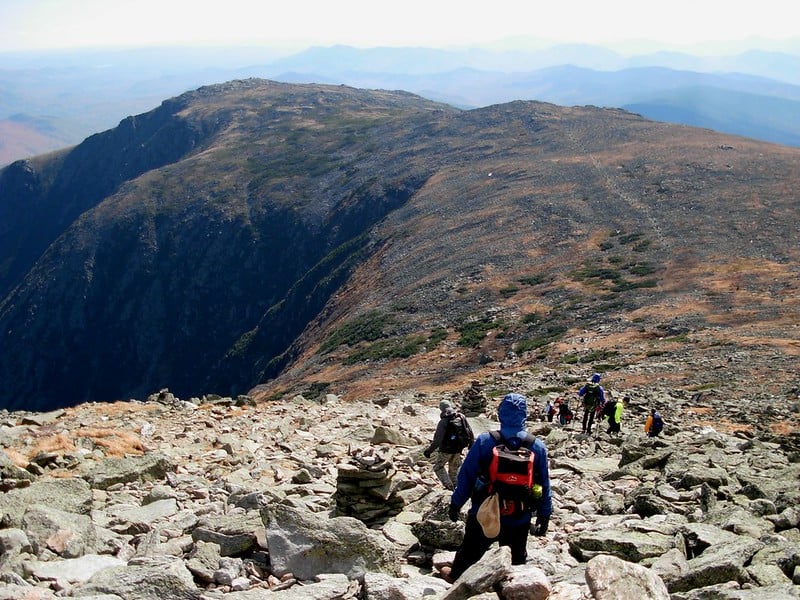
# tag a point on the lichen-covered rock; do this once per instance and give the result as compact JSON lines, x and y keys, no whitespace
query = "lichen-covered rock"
{"x":307,"y":544}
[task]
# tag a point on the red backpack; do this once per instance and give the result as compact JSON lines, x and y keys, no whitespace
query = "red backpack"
{"x":510,"y":474}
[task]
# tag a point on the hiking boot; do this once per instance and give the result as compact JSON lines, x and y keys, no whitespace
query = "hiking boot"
{"x":444,"y":572}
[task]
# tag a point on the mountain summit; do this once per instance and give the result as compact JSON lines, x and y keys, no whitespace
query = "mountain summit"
{"x":323,"y":236}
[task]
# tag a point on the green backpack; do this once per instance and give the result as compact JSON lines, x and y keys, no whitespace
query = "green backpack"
{"x":591,"y":395}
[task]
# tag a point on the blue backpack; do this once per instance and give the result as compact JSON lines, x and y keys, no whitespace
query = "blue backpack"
{"x":658,"y":424}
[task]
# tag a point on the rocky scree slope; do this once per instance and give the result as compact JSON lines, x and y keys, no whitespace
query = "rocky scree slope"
{"x":319,"y":238}
{"x":222,"y":498}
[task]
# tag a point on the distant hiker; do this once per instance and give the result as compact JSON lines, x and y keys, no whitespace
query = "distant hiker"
{"x":654,"y":423}
{"x":609,"y":409}
{"x":613,"y":410}
{"x":592,"y":395}
{"x":549,"y":410}
{"x":453,"y":434}
{"x":564,"y":411}
{"x":508,"y":469}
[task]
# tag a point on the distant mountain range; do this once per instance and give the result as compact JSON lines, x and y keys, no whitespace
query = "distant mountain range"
{"x":51,"y":100}
{"x":312,"y":237}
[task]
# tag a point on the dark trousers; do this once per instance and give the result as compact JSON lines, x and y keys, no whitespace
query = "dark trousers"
{"x":588,"y":415}
{"x":613,"y":426}
{"x":476,"y":544}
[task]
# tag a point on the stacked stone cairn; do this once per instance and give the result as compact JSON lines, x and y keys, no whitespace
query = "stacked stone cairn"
{"x":364,"y":487}
{"x":474,"y":400}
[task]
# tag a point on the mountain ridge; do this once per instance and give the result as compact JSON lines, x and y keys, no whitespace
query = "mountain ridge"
{"x":70,"y":95}
{"x":428,"y":241}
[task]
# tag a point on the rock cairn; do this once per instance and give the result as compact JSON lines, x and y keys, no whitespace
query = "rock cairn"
{"x":474,"y":400}
{"x":365,"y":488}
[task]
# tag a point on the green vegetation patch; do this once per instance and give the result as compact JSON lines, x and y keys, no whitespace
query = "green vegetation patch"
{"x":365,"y":328}
{"x":436,"y":337}
{"x":509,"y":291}
{"x":401,"y":347}
{"x":316,"y":389}
{"x":590,"y":357}
{"x":243,"y":343}
{"x":681,"y":338}
{"x":614,"y":273}
{"x":596,"y":272}
{"x":546,"y":334}
{"x":473,"y":332}
{"x":703,"y":387}
{"x":532,"y":279}
{"x":531,"y":318}
{"x":629,"y":238}
{"x":625,"y":284}
{"x":606,"y":245}
{"x":641,"y":269}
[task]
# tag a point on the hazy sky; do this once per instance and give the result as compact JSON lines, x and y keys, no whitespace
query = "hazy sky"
{"x":32,"y":24}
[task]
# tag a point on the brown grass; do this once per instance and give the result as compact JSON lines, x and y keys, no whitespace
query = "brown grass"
{"x":16,"y":457}
{"x":114,"y":441}
{"x":58,"y":444}
{"x":726,"y":426}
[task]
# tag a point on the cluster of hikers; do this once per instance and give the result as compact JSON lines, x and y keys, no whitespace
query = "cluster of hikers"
{"x":598,"y":407}
{"x":505,"y":473}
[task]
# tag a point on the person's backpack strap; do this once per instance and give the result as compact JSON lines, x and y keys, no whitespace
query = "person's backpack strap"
{"x":527,"y":441}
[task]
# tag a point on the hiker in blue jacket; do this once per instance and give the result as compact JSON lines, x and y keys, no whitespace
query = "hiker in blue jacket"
{"x":473,"y":480}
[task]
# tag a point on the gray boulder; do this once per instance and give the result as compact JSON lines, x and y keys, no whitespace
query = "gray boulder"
{"x":66,"y":534}
{"x":610,"y":578}
{"x":784,"y":555}
{"x":234,"y":533}
{"x":140,"y":519}
{"x":145,"y":580}
{"x":624,"y":543}
{"x":439,"y":534}
{"x":68,"y":495}
{"x":717,"y":564}
{"x":110,"y":471}
{"x":524,"y":582}
{"x":386,"y":435}
{"x":74,"y":570}
{"x":732,"y":591}
{"x":481,"y":577}
{"x":203,"y":561}
{"x":13,"y":541}
{"x":307,"y":545}
{"x":379,"y":586}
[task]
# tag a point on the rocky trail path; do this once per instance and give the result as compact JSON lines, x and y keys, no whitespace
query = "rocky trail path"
{"x":225,"y":498}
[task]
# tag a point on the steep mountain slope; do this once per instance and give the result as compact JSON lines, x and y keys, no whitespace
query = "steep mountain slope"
{"x":358,"y":240}
{"x":581,"y":239}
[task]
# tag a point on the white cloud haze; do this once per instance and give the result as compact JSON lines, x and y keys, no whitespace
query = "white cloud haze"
{"x":34,"y":24}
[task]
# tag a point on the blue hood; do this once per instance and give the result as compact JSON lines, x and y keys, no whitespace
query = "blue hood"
{"x":512,"y":413}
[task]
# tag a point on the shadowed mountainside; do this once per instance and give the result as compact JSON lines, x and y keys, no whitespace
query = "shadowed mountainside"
{"x":353,"y":240}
